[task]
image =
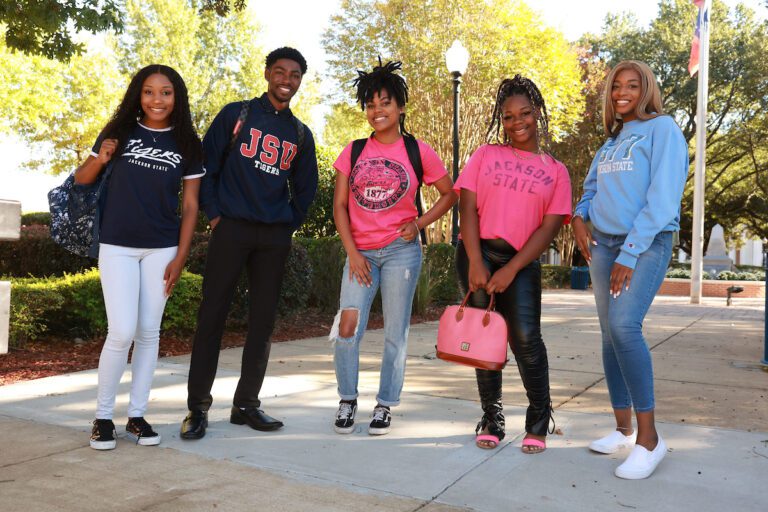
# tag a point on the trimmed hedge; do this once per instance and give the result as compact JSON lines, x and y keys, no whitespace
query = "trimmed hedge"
{"x":555,"y":276}
{"x":36,"y":255}
{"x":73,"y":305}
{"x":36,"y":219}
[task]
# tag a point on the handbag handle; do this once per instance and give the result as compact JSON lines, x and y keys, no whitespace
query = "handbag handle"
{"x":486,"y":317}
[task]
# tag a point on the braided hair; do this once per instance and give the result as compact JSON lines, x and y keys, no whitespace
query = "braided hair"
{"x":519,"y":85}
{"x":383,"y":78}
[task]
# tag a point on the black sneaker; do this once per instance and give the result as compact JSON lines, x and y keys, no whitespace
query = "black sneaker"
{"x":381,"y":422}
{"x":345,"y":417}
{"x":103,"y":435}
{"x":140,"y":431}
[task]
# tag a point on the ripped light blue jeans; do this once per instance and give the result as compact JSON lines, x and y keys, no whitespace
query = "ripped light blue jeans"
{"x":396,"y":268}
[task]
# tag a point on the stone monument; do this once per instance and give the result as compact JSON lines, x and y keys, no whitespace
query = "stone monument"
{"x":716,"y":257}
{"x":10,"y":224}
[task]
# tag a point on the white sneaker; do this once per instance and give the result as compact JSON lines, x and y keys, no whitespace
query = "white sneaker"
{"x":641,"y":463}
{"x":613,"y":442}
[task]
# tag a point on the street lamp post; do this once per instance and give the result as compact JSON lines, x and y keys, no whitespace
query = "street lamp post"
{"x":456,"y":59}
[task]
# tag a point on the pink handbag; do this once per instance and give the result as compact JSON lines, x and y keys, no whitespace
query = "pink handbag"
{"x":472,"y":336}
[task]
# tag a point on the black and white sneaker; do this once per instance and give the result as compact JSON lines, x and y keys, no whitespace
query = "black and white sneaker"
{"x":345,"y":417}
{"x":103,"y":435}
{"x":381,"y":422}
{"x":140,"y":431}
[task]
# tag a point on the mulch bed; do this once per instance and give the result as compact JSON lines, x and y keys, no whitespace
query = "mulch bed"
{"x":54,"y":356}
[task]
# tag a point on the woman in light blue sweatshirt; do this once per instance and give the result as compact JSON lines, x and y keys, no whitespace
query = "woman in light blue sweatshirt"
{"x":632,"y":201}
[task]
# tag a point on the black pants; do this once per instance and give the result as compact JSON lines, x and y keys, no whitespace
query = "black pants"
{"x":263,"y":250}
{"x":520,"y":305}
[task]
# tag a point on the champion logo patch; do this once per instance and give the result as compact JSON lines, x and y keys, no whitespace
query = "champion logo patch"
{"x":631,"y":245}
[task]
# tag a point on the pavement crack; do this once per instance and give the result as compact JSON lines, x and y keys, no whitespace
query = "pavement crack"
{"x":39,"y":458}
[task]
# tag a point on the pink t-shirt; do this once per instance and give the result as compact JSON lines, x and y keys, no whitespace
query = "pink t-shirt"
{"x":382,"y":189}
{"x":515,"y":192}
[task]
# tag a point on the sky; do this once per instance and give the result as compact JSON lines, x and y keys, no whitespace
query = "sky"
{"x":301,"y":23}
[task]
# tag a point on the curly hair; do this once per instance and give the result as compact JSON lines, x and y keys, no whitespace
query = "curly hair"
{"x":383,"y":78}
{"x":519,"y":85}
{"x":128,"y":113}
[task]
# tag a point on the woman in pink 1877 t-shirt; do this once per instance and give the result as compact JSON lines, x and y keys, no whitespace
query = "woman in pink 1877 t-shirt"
{"x":514,"y":198}
{"x":378,"y":222}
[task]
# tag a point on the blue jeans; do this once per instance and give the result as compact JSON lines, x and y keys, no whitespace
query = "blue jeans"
{"x":626,"y":357}
{"x":396,"y":268}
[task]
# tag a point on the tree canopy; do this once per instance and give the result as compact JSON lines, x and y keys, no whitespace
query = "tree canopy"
{"x":48,"y":27}
{"x":61,"y":107}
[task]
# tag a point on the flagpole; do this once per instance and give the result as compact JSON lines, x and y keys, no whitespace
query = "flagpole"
{"x":699,"y":177}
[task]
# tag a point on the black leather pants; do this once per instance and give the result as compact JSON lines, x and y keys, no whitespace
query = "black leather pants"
{"x":520,"y":305}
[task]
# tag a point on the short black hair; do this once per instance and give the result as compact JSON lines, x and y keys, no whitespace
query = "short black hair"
{"x":286,"y":52}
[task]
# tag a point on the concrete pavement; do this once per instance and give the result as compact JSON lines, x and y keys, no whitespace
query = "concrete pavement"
{"x":712,"y":405}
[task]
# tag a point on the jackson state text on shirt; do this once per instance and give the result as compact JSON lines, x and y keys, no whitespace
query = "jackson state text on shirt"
{"x":518,"y":184}
{"x":269,"y":152}
{"x":135,"y":148}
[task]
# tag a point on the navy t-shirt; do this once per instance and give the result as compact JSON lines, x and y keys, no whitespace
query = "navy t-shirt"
{"x":143,"y":193}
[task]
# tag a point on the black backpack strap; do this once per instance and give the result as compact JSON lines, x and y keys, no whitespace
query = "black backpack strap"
{"x":414,"y":156}
{"x":236,"y":129}
{"x":357,"y":150}
{"x":300,"y":138}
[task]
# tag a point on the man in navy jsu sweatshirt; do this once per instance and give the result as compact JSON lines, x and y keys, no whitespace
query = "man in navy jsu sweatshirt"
{"x":245,"y":194}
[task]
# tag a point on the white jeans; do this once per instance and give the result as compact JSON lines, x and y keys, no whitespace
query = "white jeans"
{"x":134,"y":296}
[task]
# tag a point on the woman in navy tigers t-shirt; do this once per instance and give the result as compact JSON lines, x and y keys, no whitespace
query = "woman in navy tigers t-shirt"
{"x":143,"y":245}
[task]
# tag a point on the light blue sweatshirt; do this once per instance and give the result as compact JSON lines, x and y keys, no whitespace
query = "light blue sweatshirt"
{"x":635,"y":184}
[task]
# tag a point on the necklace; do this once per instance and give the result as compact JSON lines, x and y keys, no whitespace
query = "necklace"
{"x":152,"y":133}
{"x":520,"y":156}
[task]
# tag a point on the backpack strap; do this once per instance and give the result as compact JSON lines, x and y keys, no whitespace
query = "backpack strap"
{"x":414,"y":156}
{"x":300,"y":138}
{"x":357,"y":149}
{"x":245,"y":107}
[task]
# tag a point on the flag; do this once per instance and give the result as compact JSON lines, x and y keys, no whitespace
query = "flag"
{"x":693,"y":61}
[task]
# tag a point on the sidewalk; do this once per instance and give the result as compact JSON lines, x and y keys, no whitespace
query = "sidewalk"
{"x":712,"y":405}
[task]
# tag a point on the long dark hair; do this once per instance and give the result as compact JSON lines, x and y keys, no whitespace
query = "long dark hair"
{"x":128,"y":113}
{"x":383,"y":78}
{"x":519,"y":85}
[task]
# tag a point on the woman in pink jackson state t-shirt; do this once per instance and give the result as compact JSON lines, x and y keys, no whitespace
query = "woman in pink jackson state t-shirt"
{"x":378,"y":223}
{"x":514,"y":198}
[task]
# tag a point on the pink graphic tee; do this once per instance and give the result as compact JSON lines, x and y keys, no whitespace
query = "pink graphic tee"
{"x":515,"y":189}
{"x":382,"y":189}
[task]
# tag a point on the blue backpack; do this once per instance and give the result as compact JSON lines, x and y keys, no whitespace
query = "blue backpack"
{"x":76,"y":213}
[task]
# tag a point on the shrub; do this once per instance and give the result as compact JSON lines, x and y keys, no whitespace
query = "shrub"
{"x":36,"y":219}
{"x":181,"y":309}
{"x":555,"y":276}
{"x":30,"y":304}
{"x":73,"y":305}
{"x":319,"y":222}
{"x":443,"y":281}
{"x":35,"y":254}
{"x":727,"y":275}
{"x":327,"y":258}
{"x":679,"y":273}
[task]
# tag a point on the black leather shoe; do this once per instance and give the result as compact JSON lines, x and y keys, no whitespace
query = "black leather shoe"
{"x":254,"y":418}
{"x":193,"y":426}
